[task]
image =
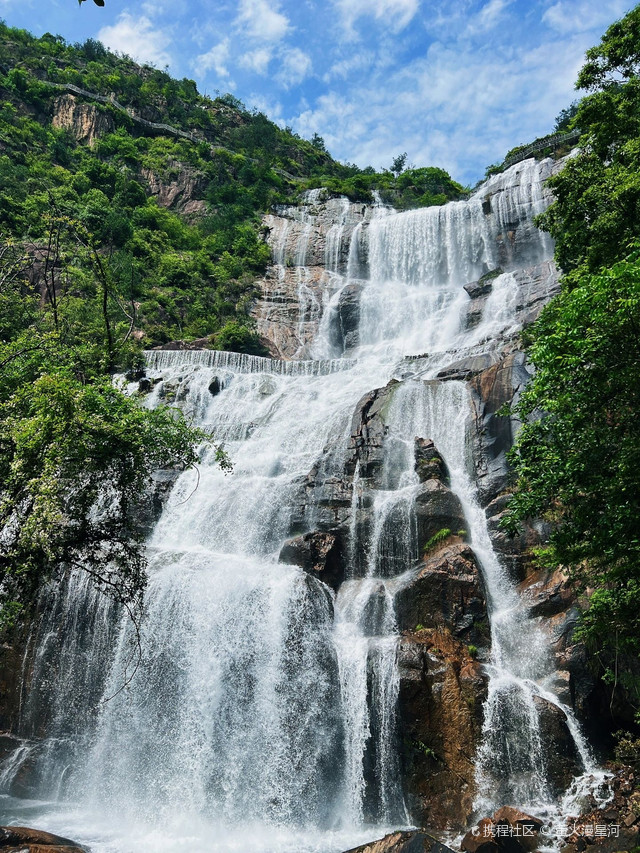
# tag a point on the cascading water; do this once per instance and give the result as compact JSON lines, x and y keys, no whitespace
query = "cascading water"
{"x":263,"y":710}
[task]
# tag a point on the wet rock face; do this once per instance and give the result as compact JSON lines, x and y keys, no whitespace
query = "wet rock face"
{"x":442,"y":690}
{"x":347,"y":319}
{"x":560,"y":753}
{"x":447,"y":592}
{"x":515,"y":552}
{"x":611,"y":828}
{"x":319,"y":553}
{"x":491,"y":390}
{"x":310,"y":247}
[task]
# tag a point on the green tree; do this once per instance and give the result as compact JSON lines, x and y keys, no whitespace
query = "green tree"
{"x":596,"y":214}
{"x":76,"y":454}
{"x":577,"y":456}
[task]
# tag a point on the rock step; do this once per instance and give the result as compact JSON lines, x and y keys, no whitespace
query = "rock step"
{"x":404,"y":842}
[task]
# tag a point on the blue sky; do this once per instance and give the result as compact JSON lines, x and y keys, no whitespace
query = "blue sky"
{"x":454,"y":83}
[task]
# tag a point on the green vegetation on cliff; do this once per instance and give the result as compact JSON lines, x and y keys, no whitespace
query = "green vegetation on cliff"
{"x":169,"y":185}
{"x":130,"y":216}
{"x":578,"y":466}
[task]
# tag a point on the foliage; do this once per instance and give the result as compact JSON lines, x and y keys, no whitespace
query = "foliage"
{"x":411,"y":188}
{"x":579,"y":465}
{"x":617,"y":57}
{"x":596,"y":215}
{"x":75,"y":452}
{"x":238,"y":338}
{"x":399,"y":163}
{"x":564,"y":119}
{"x":577,"y":457}
{"x":627,"y":749}
{"x":436,"y":540}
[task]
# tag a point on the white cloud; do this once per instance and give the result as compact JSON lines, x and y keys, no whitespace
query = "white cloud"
{"x":257,"y":60}
{"x":138,"y":38}
{"x":262,"y":20}
{"x":579,"y":17}
{"x":359,"y":60}
{"x":456,"y":106}
{"x":488,"y":16}
{"x":393,"y":14}
{"x":296,"y":66}
{"x":215,"y":59}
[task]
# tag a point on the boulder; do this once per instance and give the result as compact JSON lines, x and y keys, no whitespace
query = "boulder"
{"x":347,"y":318}
{"x":429,"y":463}
{"x":447,"y":591}
{"x":319,"y":553}
{"x":441,"y":694}
{"x":404,"y":842}
{"x":547,"y":593}
{"x":25,"y":840}
{"x":437,"y":509}
{"x":481,"y":287}
{"x":559,"y":749}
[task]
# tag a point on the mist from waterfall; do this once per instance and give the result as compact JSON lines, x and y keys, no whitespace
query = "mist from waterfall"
{"x":263,"y":713}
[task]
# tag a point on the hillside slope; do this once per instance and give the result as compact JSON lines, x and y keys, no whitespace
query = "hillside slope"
{"x":102,"y":157}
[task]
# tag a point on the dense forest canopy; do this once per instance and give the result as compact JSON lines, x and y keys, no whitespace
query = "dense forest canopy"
{"x":578,"y":466}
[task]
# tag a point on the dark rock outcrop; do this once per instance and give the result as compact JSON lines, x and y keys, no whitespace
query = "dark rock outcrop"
{"x":437,"y":509}
{"x":515,"y":551}
{"x":559,"y":750}
{"x":491,"y":389}
{"x":319,"y":553}
{"x":347,"y":320}
{"x":446,"y":592}
{"x":429,"y":463}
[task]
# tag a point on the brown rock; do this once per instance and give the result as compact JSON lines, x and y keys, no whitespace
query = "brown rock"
{"x":178,"y":188}
{"x":447,"y":591}
{"x":318,"y":553}
{"x":547,"y":593}
{"x":442,"y":690}
{"x":480,"y":839}
{"x":35,"y":841}
{"x":404,"y":842}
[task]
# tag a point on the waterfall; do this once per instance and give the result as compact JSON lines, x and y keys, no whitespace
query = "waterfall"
{"x":263,"y":711}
